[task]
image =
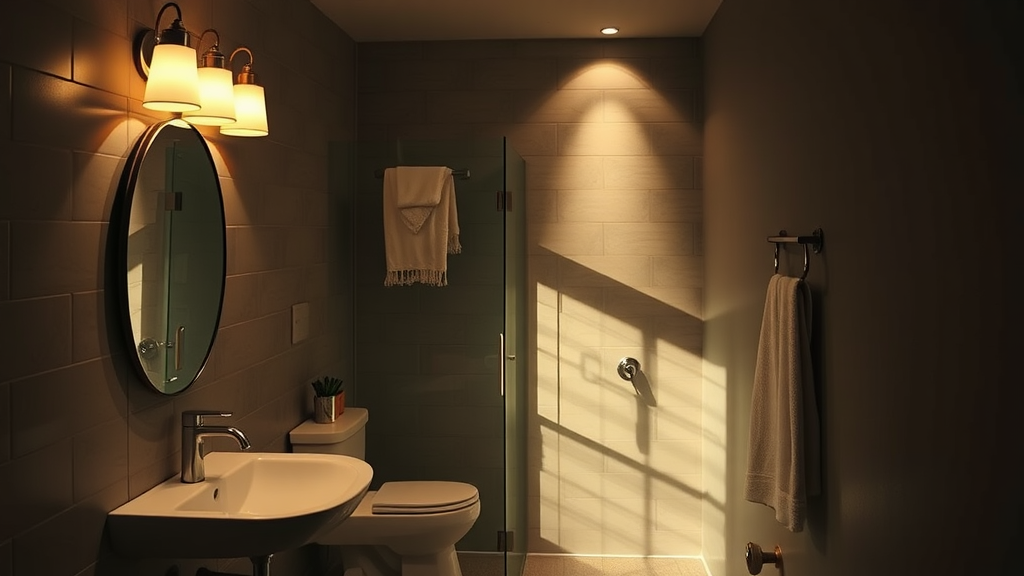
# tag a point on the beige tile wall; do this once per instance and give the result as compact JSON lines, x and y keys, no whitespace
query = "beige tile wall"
{"x":611,"y":132}
{"x":79,"y":433}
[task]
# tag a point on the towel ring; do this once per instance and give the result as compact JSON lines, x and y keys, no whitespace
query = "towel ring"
{"x":812,"y":242}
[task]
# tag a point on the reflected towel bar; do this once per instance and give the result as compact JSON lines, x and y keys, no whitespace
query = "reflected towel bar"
{"x":461,"y":174}
{"x":812,"y":242}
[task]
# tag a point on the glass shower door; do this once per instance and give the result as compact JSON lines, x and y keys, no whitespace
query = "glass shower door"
{"x":515,"y":368}
{"x":428,"y":360}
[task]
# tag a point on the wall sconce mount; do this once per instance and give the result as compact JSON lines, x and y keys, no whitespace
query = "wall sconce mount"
{"x":172,"y":79}
{"x":203,"y":94}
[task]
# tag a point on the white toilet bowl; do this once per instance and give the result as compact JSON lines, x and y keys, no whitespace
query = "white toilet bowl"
{"x":407,"y":528}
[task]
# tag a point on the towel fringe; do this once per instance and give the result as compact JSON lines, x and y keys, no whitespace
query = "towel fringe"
{"x":454,"y":247}
{"x":410,"y":277}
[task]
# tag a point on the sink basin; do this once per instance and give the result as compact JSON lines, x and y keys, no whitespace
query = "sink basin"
{"x":251,"y":504}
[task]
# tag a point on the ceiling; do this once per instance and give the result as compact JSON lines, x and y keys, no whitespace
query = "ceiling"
{"x":408,"y":20}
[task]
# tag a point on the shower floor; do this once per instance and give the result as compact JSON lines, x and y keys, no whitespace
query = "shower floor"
{"x":479,"y":564}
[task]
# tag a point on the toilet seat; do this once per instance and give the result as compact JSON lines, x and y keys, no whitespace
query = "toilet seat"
{"x":423,"y":497}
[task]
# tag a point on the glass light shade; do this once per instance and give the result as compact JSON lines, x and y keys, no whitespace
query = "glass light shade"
{"x":216,"y":98}
{"x":173,"y":84}
{"x":250,"y":112}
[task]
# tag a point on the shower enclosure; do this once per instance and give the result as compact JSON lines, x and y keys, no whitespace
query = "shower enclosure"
{"x":442,"y":369}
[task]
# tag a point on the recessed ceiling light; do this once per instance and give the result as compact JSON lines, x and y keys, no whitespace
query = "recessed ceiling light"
{"x":609,"y":30}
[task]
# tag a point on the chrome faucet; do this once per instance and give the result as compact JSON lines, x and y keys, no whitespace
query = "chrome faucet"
{"x":193,"y":430}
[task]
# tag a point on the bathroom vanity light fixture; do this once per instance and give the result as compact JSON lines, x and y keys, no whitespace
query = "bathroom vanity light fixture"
{"x":172,"y":83}
{"x":216,"y":90}
{"x":250,"y":102}
{"x":609,"y":31}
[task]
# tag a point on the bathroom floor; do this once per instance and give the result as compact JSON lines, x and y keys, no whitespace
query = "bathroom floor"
{"x":475,"y":564}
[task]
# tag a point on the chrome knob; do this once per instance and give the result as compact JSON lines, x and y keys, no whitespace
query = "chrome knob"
{"x":628,"y":368}
{"x":756,"y":558}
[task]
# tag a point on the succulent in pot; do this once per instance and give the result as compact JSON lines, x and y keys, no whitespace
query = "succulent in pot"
{"x":328,"y":400}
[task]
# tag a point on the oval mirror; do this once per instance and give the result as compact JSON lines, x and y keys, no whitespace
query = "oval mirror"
{"x":171,"y":263}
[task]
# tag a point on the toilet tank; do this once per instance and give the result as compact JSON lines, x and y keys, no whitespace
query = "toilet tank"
{"x":346,"y":435}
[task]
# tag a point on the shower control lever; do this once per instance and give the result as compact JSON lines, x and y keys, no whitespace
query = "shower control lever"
{"x":756,"y":558}
{"x":628,"y":368}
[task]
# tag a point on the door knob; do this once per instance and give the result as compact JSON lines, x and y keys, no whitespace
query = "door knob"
{"x":756,"y":558}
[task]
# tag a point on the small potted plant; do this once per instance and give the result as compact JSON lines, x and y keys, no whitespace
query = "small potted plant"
{"x":328,"y":399}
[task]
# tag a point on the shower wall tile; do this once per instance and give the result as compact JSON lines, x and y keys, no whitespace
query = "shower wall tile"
{"x":566,"y":172}
{"x":685,"y":138}
{"x":587,"y":270}
{"x":538,"y":106}
{"x":673,"y":50}
{"x":654,"y":239}
{"x":603,"y":206}
{"x":677,"y":205}
{"x":471,"y":107}
{"x":515,"y":74}
{"x":685,"y":271}
{"x":648,"y":172}
{"x":570,"y":239}
{"x":650,"y":106}
{"x":603,"y":140}
{"x":603,"y":74}
{"x":391,"y":75}
{"x":394,"y":107}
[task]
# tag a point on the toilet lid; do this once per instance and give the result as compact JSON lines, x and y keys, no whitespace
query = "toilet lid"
{"x":423,"y":497}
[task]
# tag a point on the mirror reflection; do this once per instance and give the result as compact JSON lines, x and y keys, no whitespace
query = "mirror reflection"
{"x":172,"y":240}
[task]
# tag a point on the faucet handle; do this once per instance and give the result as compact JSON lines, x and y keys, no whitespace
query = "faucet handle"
{"x":194,"y":418}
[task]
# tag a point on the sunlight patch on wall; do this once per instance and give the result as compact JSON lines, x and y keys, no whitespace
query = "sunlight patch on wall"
{"x":616,"y":474}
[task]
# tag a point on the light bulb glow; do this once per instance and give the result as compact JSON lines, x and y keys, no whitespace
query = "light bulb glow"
{"x":610,"y":30}
{"x":216,"y":98}
{"x":173,"y":84}
{"x":250,"y":112}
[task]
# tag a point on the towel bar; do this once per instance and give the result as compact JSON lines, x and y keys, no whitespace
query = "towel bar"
{"x":812,"y":242}
{"x":461,"y":174}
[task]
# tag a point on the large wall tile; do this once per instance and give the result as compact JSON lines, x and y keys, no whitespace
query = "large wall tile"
{"x":52,"y":112}
{"x":49,"y":258}
{"x":42,"y":340}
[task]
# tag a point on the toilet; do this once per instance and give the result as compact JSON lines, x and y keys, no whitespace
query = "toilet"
{"x":407,"y":528}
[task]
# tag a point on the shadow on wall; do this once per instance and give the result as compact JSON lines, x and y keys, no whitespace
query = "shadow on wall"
{"x":628,"y":475}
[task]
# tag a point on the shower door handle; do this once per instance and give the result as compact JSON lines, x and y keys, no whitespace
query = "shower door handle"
{"x":501,"y":362}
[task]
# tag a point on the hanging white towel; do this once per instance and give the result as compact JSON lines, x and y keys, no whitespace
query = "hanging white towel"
{"x":783,"y":462}
{"x":419,"y":192}
{"x":421,"y":225}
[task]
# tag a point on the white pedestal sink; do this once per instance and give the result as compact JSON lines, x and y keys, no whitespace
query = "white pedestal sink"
{"x":251,"y":504}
